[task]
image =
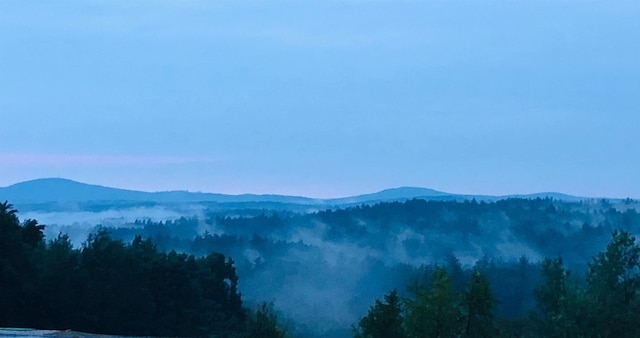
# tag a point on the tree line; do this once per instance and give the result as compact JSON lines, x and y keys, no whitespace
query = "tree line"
{"x":511,"y":237}
{"x":119,"y":283}
{"x":110,"y":287}
{"x":605,"y":303}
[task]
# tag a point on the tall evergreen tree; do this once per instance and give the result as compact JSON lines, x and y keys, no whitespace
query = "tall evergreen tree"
{"x":478,"y":304}
{"x":384,"y":319}
{"x":434,"y":311}
{"x":21,"y":248}
{"x":559,"y":302}
{"x":613,"y":282}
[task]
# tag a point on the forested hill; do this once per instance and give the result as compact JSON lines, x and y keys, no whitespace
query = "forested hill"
{"x":323,"y":269}
{"x":62,"y":191}
{"x":418,"y":231}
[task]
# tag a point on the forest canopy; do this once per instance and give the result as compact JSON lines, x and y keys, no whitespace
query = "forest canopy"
{"x":606,"y":303}
{"x":108,"y":286}
{"x":510,"y":267}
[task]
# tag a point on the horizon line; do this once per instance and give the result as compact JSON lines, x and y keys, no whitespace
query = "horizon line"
{"x":445,"y":193}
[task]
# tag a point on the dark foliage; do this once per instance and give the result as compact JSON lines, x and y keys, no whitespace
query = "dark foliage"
{"x":263,"y":323}
{"x":607,"y":306}
{"x":108,"y":286}
{"x":361,"y":252}
{"x":356,"y":254}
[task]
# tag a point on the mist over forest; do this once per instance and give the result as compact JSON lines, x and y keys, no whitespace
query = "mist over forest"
{"x":236,"y":153}
{"x":323,"y":268}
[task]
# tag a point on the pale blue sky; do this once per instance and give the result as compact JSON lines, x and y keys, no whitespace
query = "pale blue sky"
{"x":323,"y":98}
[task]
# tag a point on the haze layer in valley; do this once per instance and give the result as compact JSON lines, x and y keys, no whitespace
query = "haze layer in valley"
{"x":323,"y":262}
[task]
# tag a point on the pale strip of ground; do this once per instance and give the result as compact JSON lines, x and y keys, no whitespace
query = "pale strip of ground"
{"x":25,"y":333}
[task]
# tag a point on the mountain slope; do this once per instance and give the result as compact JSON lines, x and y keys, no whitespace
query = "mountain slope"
{"x":402,"y":193}
{"x":58,"y":189}
{"x":64,"y":190}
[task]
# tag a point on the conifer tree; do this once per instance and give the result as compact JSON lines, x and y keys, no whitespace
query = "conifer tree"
{"x":478,"y":304}
{"x":384,"y":319}
{"x":613,"y":281}
{"x":434,"y":312}
{"x":559,"y":302}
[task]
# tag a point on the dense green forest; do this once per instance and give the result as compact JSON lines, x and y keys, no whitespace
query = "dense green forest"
{"x":323,"y":269}
{"x":605,"y":304}
{"x":536,"y":265}
{"x":111,"y":287}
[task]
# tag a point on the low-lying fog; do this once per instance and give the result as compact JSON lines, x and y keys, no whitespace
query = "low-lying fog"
{"x":323,"y":270}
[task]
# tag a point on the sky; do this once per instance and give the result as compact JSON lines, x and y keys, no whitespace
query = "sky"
{"x":323,"y":98}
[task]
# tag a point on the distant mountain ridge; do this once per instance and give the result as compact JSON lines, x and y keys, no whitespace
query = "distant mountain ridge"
{"x":64,"y":190}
